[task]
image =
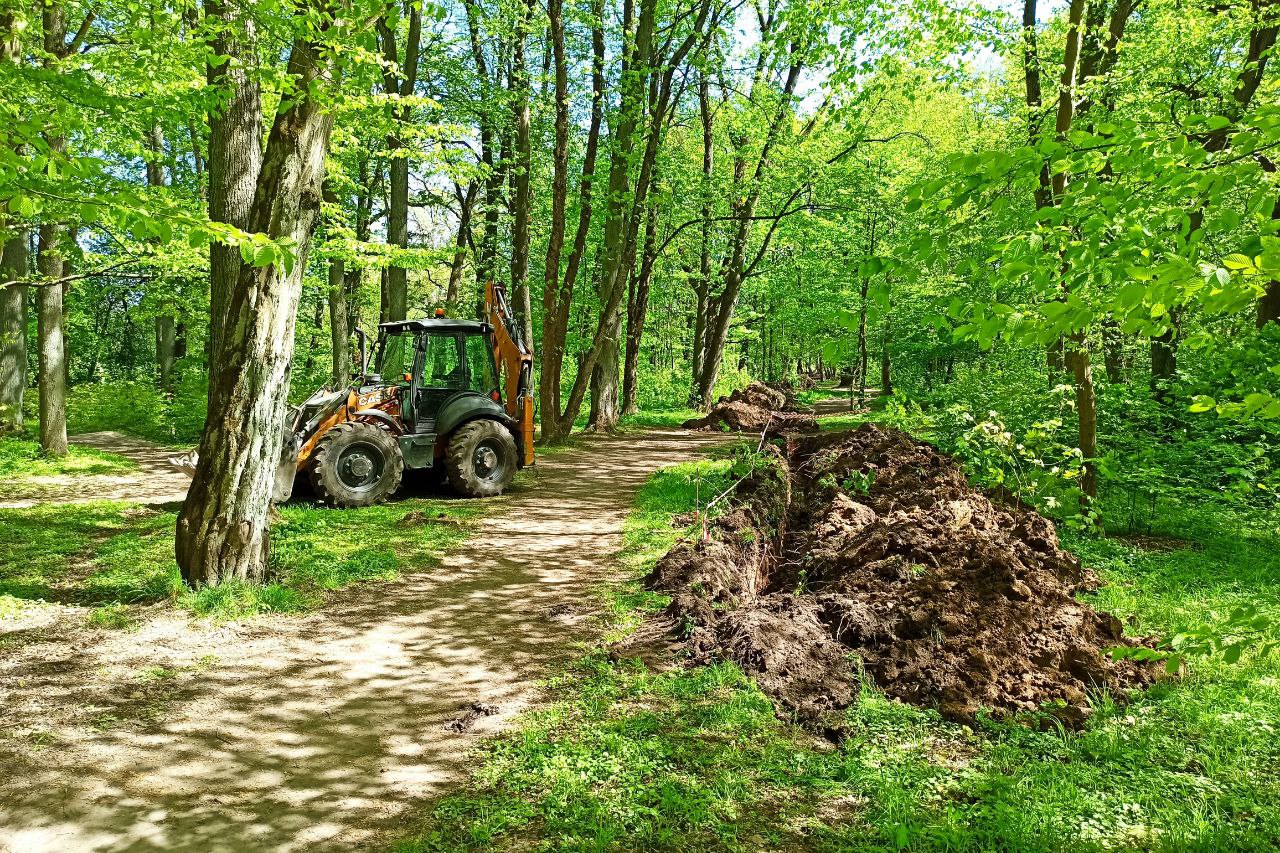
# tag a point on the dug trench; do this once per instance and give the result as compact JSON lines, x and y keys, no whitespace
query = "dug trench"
{"x":867,"y":555}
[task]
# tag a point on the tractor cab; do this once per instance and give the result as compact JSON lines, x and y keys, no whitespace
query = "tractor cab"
{"x":434,"y":362}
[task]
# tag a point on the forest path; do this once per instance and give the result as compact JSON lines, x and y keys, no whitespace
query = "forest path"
{"x":321,"y":732}
{"x":155,"y":480}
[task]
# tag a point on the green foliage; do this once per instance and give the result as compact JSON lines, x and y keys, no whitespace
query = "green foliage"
{"x":137,"y":407}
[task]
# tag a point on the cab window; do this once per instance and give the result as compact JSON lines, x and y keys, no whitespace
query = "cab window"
{"x":480,"y":357}
{"x":396,"y":357}
{"x":444,"y":366}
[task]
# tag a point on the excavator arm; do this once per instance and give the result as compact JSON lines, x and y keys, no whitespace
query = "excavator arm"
{"x":514,"y":357}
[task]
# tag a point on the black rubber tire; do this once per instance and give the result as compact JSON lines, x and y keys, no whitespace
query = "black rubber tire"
{"x":467,"y":474}
{"x":331,"y":470}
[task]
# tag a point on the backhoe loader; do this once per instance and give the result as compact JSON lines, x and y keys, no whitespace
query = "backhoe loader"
{"x":443,"y":394}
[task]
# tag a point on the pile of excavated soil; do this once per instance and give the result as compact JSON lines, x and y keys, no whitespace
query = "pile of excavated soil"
{"x":869,"y":548}
{"x":757,"y":408}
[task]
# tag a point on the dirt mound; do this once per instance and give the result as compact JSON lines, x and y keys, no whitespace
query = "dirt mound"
{"x":757,"y":408}
{"x":870,"y":548}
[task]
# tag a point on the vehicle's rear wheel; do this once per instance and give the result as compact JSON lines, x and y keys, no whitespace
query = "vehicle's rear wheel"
{"x":356,"y":465}
{"x":481,"y":458}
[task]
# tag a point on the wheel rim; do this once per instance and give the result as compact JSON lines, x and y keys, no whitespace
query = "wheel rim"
{"x":487,"y":461}
{"x":360,"y":466}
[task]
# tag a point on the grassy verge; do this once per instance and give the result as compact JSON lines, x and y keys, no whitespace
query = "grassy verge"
{"x":694,"y":759}
{"x":21,"y":462}
{"x":114,"y":556}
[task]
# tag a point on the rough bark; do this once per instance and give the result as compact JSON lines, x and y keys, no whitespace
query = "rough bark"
{"x":235,"y":149}
{"x":13,"y":267}
{"x":702,"y":286}
{"x":222,"y":531}
{"x":557,"y":290}
{"x":466,"y":201}
{"x":520,"y":202}
{"x":637,"y":308}
{"x":399,"y":79}
{"x":1113,"y":352}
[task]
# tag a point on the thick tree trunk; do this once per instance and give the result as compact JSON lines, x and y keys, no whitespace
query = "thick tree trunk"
{"x":13,"y":267}
{"x":399,"y":79}
{"x":634,"y":82}
{"x":235,"y":149}
{"x":222,"y":531}
{"x":52,"y":378}
{"x":13,"y":333}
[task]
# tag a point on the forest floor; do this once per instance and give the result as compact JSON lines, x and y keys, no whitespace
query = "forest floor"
{"x":117,"y":467}
{"x":324,"y":729}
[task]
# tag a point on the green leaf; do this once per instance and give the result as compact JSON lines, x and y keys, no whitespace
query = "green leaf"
{"x":1203,"y":403}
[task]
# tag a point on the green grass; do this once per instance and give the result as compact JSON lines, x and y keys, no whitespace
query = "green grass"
{"x":21,"y":460}
{"x":694,"y":759}
{"x":115,"y":556}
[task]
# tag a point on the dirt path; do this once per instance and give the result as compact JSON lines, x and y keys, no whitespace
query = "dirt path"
{"x":315,"y":733}
{"x":154,"y":481}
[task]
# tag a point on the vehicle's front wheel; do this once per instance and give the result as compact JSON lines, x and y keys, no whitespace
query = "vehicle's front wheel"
{"x":481,"y":459}
{"x":355,"y":465}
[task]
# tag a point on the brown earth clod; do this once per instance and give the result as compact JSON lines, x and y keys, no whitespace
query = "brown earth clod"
{"x":758,"y":408}
{"x":868,"y":551}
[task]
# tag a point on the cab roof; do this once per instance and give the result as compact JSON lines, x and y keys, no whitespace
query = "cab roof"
{"x":437,"y":324}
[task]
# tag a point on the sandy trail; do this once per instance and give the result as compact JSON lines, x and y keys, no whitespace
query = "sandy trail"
{"x":324,"y":732}
{"x":154,"y":481}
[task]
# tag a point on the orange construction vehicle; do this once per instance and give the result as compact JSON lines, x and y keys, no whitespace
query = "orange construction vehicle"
{"x":443,"y":393}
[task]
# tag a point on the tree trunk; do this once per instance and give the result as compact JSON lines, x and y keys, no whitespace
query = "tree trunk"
{"x":557,"y":291}
{"x":634,"y":80}
{"x":52,"y":378}
{"x":1087,"y":409}
{"x":456,"y":267}
{"x":1164,"y":360}
{"x":13,"y":267}
{"x":222,"y":531}
{"x":886,"y":370}
{"x":734,"y":272}
{"x":523,"y":164}
{"x":1113,"y":352}
{"x":1269,"y":304}
{"x":637,"y":308}
{"x":235,"y":150}
{"x":339,"y":335}
{"x":166,"y":344}
{"x":399,"y":79}
{"x":13,"y":333}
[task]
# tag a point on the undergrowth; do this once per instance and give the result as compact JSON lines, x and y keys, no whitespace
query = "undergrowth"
{"x":627,"y":758}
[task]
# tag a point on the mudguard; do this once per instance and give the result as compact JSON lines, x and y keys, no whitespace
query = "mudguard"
{"x":459,"y":409}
